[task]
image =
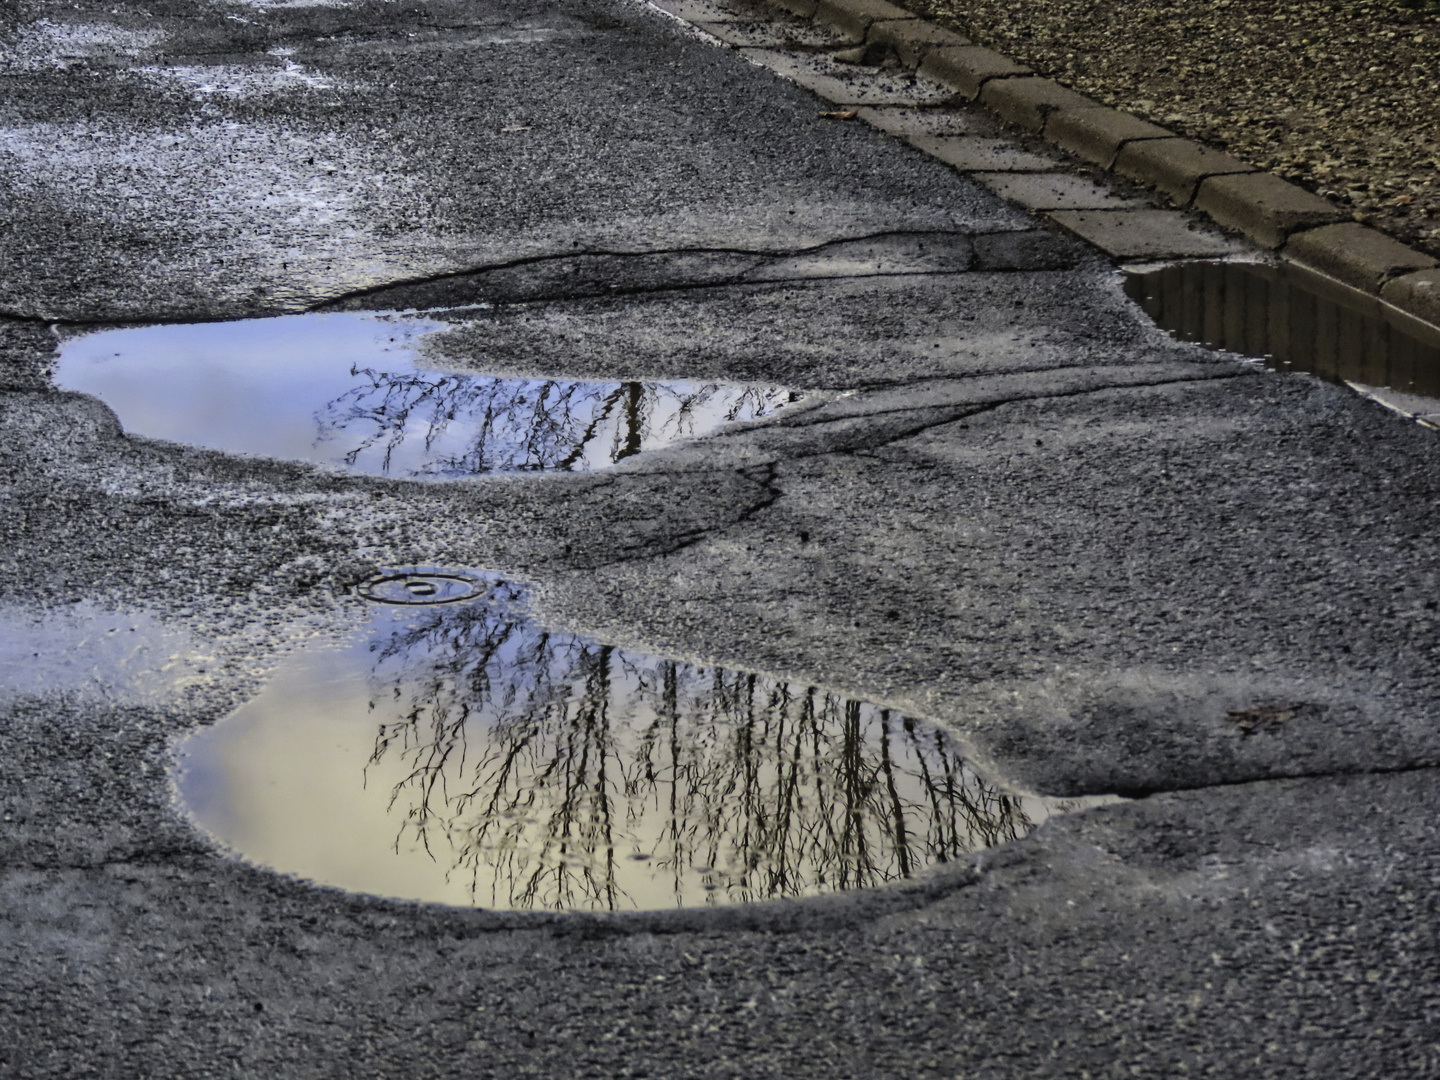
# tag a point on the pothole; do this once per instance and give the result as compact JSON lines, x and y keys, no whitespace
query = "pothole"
{"x":463,"y":754}
{"x":1288,"y":319}
{"x":353,"y":392}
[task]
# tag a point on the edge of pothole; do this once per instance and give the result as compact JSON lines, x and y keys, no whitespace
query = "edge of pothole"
{"x":1297,"y":225}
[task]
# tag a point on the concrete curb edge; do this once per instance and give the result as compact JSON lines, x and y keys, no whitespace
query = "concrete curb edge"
{"x":1299,"y":226}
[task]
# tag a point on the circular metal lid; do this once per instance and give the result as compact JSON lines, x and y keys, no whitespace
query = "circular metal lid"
{"x":422,"y":587}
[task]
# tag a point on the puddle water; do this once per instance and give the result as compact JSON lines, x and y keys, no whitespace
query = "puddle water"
{"x":461,"y":754}
{"x":106,"y":655}
{"x":1288,"y":319}
{"x":350,"y":391}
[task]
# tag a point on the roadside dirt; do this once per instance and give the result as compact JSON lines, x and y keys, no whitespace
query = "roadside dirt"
{"x":1339,"y":97}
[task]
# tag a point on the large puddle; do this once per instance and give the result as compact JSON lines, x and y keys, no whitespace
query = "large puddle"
{"x":352,"y":391}
{"x":1289,"y":320}
{"x":462,"y":754}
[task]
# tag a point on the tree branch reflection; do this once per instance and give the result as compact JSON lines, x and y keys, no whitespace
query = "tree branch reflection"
{"x":446,"y":423}
{"x":553,"y":772}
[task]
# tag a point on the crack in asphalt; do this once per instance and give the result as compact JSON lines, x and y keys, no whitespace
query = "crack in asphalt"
{"x":769,"y":472}
{"x":976,"y":262}
{"x":1141,"y":792}
{"x":740,"y":278}
{"x":815,"y":422}
{"x":350,"y":301}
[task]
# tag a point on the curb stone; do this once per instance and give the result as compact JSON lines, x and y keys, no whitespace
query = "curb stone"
{"x":1098,"y":134}
{"x":1175,"y":166}
{"x":1267,"y":209}
{"x":967,"y":68}
{"x":1028,"y":101}
{"x":1264,"y":207}
{"x":909,"y":39}
{"x":855,"y":17}
{"x":1357,"y":255}
{"x":1418,"y":294}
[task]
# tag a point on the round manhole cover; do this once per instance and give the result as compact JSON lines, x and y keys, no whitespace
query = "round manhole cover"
{"x":422,"y":587}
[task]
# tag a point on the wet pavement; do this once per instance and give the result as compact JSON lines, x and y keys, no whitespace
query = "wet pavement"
{"x":1089,"y":558}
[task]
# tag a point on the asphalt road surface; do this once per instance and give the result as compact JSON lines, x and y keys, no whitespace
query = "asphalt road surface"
{"x":1104,"y":561}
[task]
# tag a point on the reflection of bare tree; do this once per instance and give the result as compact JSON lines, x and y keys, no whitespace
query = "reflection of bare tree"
{"x":553,"y":772}
{"x":524,"y":424}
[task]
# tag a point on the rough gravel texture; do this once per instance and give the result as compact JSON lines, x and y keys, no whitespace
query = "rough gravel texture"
{"x":1338,"y":97}
{"x":1106,"y":559}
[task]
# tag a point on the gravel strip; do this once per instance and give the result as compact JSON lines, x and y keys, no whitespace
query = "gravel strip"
{"x":1338,"y":97}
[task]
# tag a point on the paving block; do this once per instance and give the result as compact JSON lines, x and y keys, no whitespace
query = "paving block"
{"x":976,"y":154}
{"x":772,"y":33}
{"x":1054,"y":191}
{"x":1097,"y":134}
{"x":907,"y":123}
{"x":1261,"y":205}
{"x":843,"y":84}
{"x":910,"y":39}
{"x":967,"y":68}
{"x":1356,"y":255}
{"x":696,"y":10}
{"x":855,"y":16}
{"x":1175,"y":166}
{"x":1417,"y":293}
{"x":1144,"y":234}
{"x":1026,"y":102}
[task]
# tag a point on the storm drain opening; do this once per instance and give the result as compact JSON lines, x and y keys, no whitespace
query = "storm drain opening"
{"x":358,"y":393}
{"x":463,"y":754}
{"x":421,"y":586}
{"x":1289,"y":319}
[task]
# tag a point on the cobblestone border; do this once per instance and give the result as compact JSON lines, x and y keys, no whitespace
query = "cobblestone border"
{"x":1271,"y":212}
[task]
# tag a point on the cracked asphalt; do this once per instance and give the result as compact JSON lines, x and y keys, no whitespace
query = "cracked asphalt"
{"x":1009,"y":505}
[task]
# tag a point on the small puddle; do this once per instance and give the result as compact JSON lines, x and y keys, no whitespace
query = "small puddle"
{"x":464,"y":755}
{"x":1291,"y":321}
{"x":98,"y":654}
{"x":352,"y":391}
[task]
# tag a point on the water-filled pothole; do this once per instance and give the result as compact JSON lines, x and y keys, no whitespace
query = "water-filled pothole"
{"x":1289,"y":319}
{"x":352,"y":391}
{"x":464,"y":755}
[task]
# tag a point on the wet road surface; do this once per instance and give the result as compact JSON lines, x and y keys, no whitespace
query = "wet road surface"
{"x":1098,"y":559}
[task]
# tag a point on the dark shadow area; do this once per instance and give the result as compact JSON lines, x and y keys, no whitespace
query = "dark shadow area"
{"x":1281,"y":316}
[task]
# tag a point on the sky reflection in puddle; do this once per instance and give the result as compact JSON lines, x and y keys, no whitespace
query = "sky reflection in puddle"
{"x":461,"y":754}
{"x":85,"y":649}
{"x":346,"y":390}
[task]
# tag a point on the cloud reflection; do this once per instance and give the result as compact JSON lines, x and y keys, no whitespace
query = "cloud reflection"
{"x":550,"y":771}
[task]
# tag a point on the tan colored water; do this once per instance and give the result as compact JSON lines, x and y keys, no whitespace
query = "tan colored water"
{"x":464,"y":755}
